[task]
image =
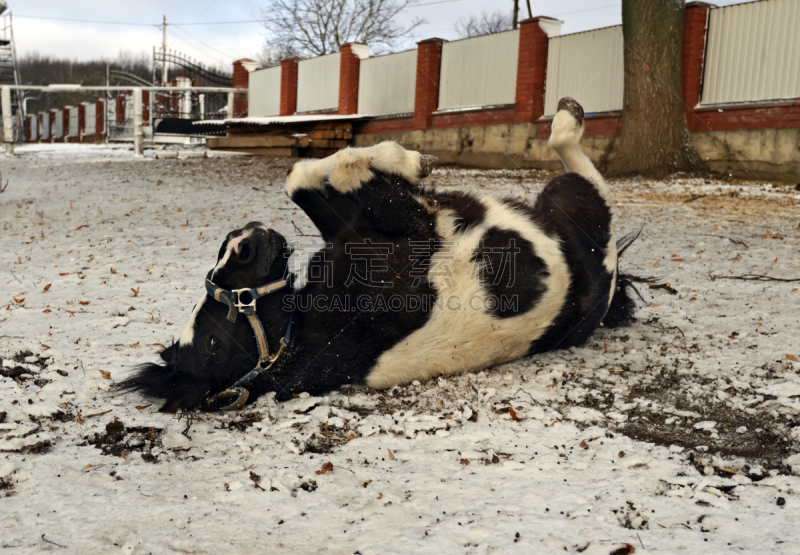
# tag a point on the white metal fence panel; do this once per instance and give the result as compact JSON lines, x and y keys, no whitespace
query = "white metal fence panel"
{"x":44,"y":126}
{"x":73,"y":122}
{"x":90,"y":115}
{"x":753,"y":53}
{"x":34,"y":128}
{"x":58,"y":124}
{"x":481,"y":71}
{"x":588,"y":67}
{"x":264,"y":92}
{"x":318,"y":84}
{"x":386,"y":84}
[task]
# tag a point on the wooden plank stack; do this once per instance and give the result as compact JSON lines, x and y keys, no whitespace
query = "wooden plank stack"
{"x":312,"y":140}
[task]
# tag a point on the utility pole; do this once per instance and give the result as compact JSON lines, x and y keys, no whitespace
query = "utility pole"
{"x":164,"y":55}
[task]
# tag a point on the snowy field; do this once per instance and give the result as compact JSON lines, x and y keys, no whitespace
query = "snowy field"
{"x":679,"y":434}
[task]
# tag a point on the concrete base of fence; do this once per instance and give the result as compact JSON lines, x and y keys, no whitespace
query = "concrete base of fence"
{"x":763,"y":154}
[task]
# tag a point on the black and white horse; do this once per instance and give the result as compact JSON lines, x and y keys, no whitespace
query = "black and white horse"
{"x":412,"y":283}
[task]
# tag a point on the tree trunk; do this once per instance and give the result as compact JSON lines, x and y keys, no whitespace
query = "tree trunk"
{"x":655,"y":139}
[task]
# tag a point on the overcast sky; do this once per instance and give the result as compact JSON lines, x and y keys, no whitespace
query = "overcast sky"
{"x":132,"y":25}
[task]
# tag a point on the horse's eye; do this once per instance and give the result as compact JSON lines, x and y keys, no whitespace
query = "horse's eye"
{"x":214,"y":344}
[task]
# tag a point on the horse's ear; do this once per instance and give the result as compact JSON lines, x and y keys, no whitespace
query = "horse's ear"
{"x":169,"y":354}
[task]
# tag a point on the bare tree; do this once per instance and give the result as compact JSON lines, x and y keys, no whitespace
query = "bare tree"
{"x":655,"y":138}
{"x":484,"y":24}
{"x":318,"y":27}
{"x":270,"y":56}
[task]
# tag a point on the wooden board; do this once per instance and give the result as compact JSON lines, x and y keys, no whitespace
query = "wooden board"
{"x":276,"y":151}
{"x":252,"y":141}
{"x":328,"y":143}
{"x":331,"y":134}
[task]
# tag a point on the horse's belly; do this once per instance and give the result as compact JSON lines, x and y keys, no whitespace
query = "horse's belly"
{"x":461,"y":334}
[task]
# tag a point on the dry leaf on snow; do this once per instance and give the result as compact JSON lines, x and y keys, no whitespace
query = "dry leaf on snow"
{"x":327,"y":467}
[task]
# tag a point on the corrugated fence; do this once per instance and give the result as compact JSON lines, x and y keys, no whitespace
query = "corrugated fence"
{"x":44,"y":130}
{"x":264,"y":92}
{"x":753,"y":53}
{"x":386,"y":84}
{"x":318,"y":84}
{"x":90,"y":117}
{"x":588,"y":67}
{"x":58,"y":124}
{"x":481,"y":71}
{"x":73,"y":122}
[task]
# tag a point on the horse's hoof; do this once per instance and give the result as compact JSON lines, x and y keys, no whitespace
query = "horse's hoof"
{"x":571,"y":106}
{"x":426,"y":164}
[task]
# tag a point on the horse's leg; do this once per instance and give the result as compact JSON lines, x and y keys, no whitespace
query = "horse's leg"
{"x":331,"y":191}
{"x":565,"y":140}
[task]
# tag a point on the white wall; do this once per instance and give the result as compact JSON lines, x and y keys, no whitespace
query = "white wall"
{"x":32,"y":124}
{"x":588,"y":67}
{"x":58,"y":124}
{"x":44,"y":129}
{"x":386,"y":84}
{"x":264,"y":92}
{"x":481,"y":71}
{"x":90,"y":115}
{"x":753,"y":53}
{"x":73,"y":122}
{"x":318,"y":83}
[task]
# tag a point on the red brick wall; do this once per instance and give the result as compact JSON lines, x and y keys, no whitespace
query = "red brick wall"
{"x":387,"y":125}
{"x":349,"y":67}
{"x":289,"y":86}
{"x":473,"y":118}
{"x":426,"y":93}
{"x":776,"y":116}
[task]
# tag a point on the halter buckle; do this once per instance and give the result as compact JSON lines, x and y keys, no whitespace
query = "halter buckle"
{"x":238,"y":302}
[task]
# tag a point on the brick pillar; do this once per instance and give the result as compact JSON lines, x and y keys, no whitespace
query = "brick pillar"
{"x":145,"y":107}
{"x":695,"y":26}
{"x":99,"y":122}
{"x":81,"y":121}
{"x":241,"y":80}
{"x":289,"y":86}
{"x":426,"y":91}
{"x":65,"y":123}
{"x":532,"y":68}
{"x":349,"y":69}
{"x":26,"y":129}
{"x":120,"y":98}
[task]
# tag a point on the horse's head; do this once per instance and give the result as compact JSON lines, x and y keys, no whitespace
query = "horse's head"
{"x":218,"y":344}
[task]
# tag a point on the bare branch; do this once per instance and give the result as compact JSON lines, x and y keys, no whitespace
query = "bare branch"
{"x":319,"y":27}
{"x":484,"y":24}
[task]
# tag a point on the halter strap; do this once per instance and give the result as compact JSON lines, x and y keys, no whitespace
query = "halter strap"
{"x":244,"y":301}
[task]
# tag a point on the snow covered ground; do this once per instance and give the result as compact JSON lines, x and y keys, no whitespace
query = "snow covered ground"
{"x":679,"y":434}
